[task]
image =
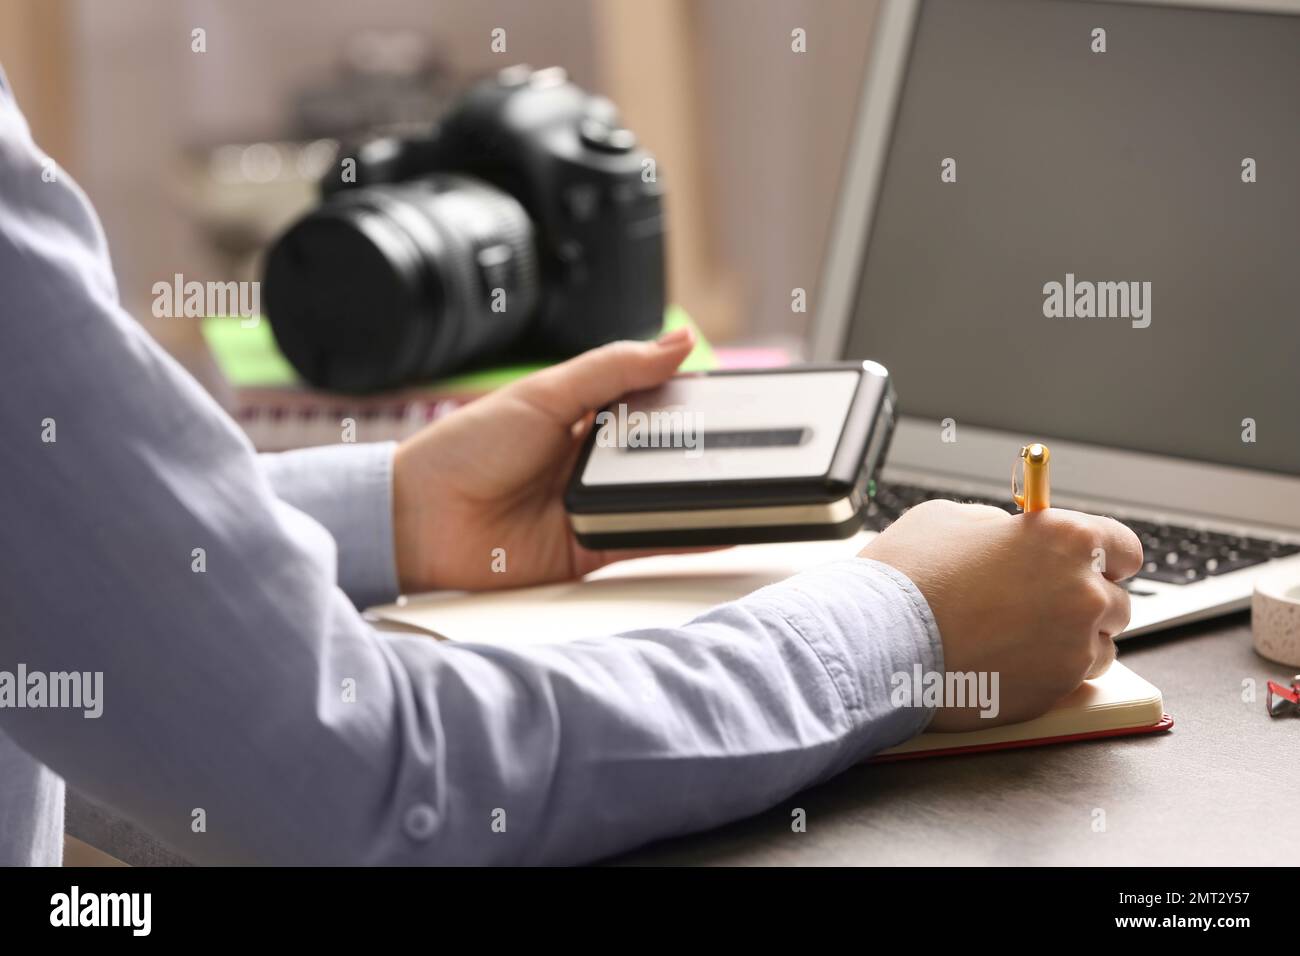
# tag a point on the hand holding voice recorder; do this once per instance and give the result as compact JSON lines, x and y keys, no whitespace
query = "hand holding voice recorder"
{"x":734,"y":457}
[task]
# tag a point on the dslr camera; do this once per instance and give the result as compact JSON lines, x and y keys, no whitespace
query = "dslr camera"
{"x":527,"y":223}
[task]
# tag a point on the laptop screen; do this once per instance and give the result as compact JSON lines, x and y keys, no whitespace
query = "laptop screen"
{"x":1089,"y":228}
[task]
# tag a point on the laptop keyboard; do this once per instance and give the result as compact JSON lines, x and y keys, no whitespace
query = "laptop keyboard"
{"x":1170,"y":553}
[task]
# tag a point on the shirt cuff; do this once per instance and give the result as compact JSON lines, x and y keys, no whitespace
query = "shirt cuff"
{"x":348,"y":489}
{"x":868,"y":623}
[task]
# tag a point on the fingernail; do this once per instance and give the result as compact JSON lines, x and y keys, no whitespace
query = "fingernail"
{"x":673,"y":338}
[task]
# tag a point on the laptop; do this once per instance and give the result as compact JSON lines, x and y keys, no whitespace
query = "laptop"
{"x":1079,"y":223}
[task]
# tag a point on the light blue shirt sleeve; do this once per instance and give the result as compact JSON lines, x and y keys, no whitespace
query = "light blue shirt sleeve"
{"x":249,"y":714}
{"x":31,"y":807}
{"x":349,"y":490}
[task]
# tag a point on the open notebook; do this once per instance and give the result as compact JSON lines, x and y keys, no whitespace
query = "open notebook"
{"x":1114,"y":705}
{"x":668,"y":591}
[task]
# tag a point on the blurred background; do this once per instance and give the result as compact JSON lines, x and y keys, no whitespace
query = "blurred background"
{"x":195,"y":160}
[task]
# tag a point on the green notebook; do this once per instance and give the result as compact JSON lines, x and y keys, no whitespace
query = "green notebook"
{"x":249,"y":358}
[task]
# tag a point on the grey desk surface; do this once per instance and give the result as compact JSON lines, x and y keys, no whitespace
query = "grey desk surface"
{"x":1220,"y":788}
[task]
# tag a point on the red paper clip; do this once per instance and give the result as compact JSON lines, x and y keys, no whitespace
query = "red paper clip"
{"x":1284,"y":701}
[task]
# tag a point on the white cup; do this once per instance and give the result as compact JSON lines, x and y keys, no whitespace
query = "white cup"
{"x":1275,"y":617}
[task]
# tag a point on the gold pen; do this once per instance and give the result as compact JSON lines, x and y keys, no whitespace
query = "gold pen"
{"x":1037,"y":492}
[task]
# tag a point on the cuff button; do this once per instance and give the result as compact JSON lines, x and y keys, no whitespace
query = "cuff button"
{"x":420,"y":822}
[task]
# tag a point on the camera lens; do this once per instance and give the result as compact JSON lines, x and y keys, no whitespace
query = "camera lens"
{"x":401,"y":283}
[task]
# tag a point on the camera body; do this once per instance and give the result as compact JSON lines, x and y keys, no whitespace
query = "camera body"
{"x":527,"y":222}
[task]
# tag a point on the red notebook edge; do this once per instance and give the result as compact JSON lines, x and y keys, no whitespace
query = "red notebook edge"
{"x":1163,"y":724}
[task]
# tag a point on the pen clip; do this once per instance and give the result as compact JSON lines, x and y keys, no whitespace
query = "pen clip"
{"x":1018,"y":489}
